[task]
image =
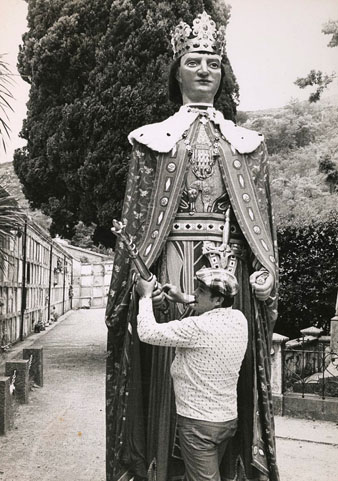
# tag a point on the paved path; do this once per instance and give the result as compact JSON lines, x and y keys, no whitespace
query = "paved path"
{"x":60,"y":434}
{"x":307,"y":450}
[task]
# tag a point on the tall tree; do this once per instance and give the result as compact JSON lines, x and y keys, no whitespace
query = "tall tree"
{"x":58,"y":53}
{"x":98,"y":69}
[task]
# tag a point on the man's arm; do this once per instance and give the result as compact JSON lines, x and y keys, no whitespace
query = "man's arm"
{"x":171,"y":293}
{"x":174,"y":333}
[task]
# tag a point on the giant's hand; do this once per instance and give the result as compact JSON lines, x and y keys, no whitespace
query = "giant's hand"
{"x":262,"y":284}
{"x":145,"y":288}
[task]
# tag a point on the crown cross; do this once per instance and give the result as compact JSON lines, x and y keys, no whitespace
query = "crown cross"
{"x":203,"y":36}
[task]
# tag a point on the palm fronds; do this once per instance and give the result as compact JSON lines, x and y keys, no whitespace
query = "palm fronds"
{"x":5,"y":96}
{"x":11,"y":220}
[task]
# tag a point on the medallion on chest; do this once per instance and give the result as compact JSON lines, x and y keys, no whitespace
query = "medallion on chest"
{"x":204,"y":182}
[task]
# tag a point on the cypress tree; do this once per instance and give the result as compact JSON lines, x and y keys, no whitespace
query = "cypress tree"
{"x":98,"y":69}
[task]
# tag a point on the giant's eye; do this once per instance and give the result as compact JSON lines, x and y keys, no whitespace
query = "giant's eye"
{"x":191,"y":63}
{"x":214,"y":65}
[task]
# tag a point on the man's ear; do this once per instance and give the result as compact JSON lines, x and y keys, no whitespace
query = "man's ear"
{"x":218,"y":301}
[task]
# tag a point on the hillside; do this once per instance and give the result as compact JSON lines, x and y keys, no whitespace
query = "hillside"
{"x":9,"y":180}
{"x":303,"y":145}
{"x":83,"y":234}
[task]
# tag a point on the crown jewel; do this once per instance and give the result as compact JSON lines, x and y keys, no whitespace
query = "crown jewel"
{"x":203,"y":36}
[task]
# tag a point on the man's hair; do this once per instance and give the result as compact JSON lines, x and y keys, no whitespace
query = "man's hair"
{"x":174,"y":90}
{"x":227,"y":301}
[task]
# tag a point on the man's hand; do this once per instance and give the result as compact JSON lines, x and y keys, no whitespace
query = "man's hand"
{"x":158,"y":296}
{"x":172,"y":293}
{"x":145,"y":288}
{"x":262,"y":284}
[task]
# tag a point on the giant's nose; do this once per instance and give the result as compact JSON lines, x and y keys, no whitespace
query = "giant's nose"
{"x":203,"y":68}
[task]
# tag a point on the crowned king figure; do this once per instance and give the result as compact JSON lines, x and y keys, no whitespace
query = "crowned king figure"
{"x":197,"y":196}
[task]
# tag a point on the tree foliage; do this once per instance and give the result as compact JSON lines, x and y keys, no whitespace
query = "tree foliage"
{"x":291,"y":128}
{"x":330,"y":169}
{"x":331,"y":28}
{"x":98,"y":69}
{"x":316,"y":77}
{"x":303,"y":186}
{"x":308,"y":274}
{"x":83,"y":236}
{"x":303,"y":169}
{"x":57,"y":56}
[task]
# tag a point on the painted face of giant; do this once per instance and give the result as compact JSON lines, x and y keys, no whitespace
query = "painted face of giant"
{"x":199,"y":76}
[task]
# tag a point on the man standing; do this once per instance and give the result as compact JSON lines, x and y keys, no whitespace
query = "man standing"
{"x":210,"y":348}
{"x":197,"y":196}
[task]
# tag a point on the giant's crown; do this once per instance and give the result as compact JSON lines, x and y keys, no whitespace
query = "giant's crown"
{"x":203,"y":36}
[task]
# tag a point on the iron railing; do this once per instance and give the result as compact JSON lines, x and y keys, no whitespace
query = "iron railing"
{"x":310,"y":369}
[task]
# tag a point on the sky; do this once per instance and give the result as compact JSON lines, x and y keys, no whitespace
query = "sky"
{"x":272,"y":42}
{"x":269,"y":43}
{"x":12,"y":25}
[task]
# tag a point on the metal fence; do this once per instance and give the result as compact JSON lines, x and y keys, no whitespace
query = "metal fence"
{"x":310,"y":368}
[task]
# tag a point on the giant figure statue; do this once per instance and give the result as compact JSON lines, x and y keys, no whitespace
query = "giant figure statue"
{"x":197,"y":195}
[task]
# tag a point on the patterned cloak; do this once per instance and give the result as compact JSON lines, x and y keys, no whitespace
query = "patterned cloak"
{"x":153,"y":192}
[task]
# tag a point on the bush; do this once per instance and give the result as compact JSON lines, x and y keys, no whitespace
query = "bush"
{"x":308,"y":274}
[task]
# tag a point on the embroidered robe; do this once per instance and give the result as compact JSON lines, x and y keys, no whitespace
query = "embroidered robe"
{"x":140,"y":407}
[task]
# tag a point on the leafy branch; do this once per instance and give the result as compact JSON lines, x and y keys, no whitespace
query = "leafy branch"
{"x":316,"y":77}
{"x":331,"y":28}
